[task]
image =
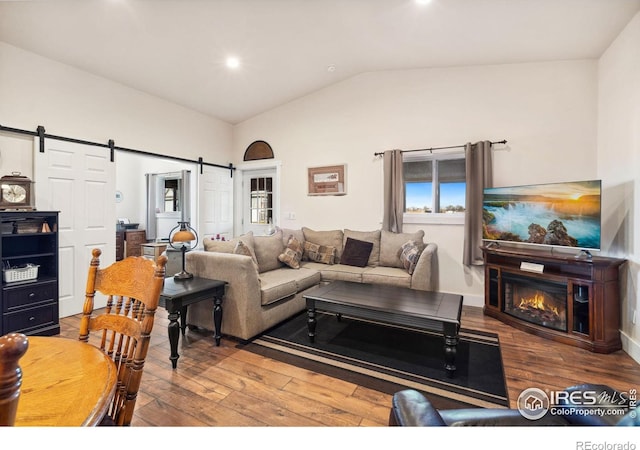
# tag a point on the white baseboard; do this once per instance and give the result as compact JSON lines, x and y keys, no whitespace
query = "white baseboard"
{"x":630,"y":346}
{"x":473,"y":300}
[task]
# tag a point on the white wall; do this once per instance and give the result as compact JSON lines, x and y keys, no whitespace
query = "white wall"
{"x":619,"y":167}
{"x":72,"y":103}
{"x":547,"y":112}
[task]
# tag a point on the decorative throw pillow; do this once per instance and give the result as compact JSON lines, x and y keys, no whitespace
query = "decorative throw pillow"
{"x":391,"y":246}
{"x":324,"y":254}
{"x":367,"y":236}
{"x":243,"y":249}
{"x":330,"y":238}
{"x":356,"y":253}
{"x":409,"y":256}
{"x":292,"y":253}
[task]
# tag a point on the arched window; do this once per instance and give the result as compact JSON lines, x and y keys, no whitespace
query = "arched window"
{"x":258,"y":150}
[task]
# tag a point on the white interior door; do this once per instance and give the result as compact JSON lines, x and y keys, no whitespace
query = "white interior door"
{"x":79,"y":181}
{"x":215,"y":202}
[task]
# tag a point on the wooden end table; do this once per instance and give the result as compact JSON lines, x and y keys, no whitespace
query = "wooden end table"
{"x":177,"y":295}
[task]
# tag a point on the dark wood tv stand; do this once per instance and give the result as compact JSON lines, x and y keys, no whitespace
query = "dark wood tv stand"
{"x":591,"y":319}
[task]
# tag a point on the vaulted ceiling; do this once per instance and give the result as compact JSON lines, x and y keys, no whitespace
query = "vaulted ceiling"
{"x":177,"y":49}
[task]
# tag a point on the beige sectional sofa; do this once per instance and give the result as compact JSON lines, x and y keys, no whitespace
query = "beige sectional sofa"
{"x":263,"y":290}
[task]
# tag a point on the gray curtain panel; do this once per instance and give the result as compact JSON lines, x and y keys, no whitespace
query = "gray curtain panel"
{"x":479,"y":176}
{"x":393,"y":191}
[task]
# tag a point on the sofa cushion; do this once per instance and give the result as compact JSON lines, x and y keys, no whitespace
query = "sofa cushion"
{"x":356,"y":253}
{"x":276,"y":285}
{"x":243,"y":249}
{"x":367,"y":236}
{"x":288,"y":232}
{"x":319,"y":253}
{"x":292,"y":254}
{"x":332,"y":238}
{"x":306,"y":278}
{"x":409,"y":256}
{"x":267,"y":250}
{"x":386,"y":275}
{"x":336,"y":271}
{"x":391,"y":246}
{"x":211,"y":245}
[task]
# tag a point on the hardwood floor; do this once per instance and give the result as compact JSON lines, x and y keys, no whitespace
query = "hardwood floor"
{"x":226,"y":386}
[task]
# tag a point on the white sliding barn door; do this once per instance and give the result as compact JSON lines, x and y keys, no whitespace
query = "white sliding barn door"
{"x":215,"y":202}
{"x":79,"y":181}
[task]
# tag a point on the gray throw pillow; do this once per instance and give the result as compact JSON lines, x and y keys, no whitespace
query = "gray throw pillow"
{"x":243,"y":249}
{"x":267,"y":250}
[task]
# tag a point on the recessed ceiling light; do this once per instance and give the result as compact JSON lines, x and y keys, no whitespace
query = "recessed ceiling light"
{"x":233,"y":62}
{"x":331,"y":68}
{"x":423,"y":2}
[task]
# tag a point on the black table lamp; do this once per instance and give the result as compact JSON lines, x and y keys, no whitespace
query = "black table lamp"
{"x":183,"y":233}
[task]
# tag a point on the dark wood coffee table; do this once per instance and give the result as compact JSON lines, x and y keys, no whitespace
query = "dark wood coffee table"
{"x":433,"y":311}
{"x":176,"y":297}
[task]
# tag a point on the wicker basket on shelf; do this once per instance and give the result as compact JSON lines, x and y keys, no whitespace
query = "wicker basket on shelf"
{"x":26,"y":273}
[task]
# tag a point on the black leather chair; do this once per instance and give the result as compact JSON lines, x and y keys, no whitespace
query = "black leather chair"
{"x":412,"y":408}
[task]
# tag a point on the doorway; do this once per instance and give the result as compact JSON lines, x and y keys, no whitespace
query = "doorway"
{"x":168,"y":202}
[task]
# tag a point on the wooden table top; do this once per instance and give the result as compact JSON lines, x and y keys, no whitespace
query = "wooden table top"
{"x":178,"y":288}
{"x":65,"y":382}
{"x":390,"y":299}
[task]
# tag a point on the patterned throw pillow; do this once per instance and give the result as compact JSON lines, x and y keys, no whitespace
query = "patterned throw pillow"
{"x":292,"y":253}
{"x":409,"y":256}
{"x":324,"y":254}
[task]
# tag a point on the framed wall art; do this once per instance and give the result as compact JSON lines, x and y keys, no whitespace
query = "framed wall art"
{"x":328,"y":180}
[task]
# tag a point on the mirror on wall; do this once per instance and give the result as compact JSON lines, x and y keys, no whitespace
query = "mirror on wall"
{"x":168,"y":202}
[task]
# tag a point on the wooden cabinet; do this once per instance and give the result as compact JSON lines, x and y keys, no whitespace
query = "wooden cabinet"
{"x":133,"y":242}
{"x":29,"y":296}
{"x":119,"y":245}
{"x":586,"y":291}
{"x":153,"y":250}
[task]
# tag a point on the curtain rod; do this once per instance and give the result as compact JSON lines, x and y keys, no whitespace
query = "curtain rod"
{"x":504,"y":141}
{"x":111,"y":145}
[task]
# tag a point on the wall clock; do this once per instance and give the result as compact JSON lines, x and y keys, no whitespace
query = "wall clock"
{"x":17,"y":192}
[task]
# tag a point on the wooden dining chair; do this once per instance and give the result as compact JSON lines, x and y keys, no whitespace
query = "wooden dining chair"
{"x":12,"y":347}
{"x":123,"y":331}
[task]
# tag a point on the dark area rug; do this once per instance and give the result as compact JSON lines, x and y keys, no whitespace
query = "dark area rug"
{"x":389,"y":358}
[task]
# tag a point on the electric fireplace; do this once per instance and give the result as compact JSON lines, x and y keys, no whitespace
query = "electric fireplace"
{"x":537,"y":301}
{"x":562,"y":297}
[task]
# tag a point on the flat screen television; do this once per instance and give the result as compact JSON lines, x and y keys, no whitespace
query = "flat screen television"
{"x":566,"y":214}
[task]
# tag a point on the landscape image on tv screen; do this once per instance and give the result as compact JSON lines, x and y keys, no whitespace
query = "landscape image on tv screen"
{"x":556,"y":214}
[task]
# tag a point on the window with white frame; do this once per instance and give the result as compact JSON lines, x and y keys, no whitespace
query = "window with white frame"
{"x":261,"y":200}
{"x":434,"y":183}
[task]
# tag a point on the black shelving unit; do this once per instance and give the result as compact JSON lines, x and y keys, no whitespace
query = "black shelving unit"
{"x":29,"y":306}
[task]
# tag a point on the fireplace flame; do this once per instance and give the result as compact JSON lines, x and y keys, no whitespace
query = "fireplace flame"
{"x":537,"y":302}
